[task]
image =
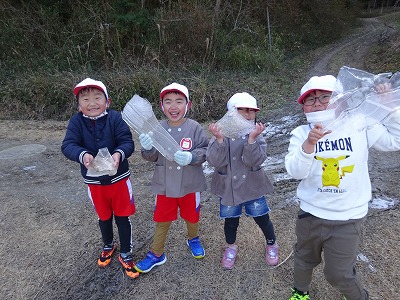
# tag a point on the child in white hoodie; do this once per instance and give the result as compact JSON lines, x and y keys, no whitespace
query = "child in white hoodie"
{"x":334,"y":191}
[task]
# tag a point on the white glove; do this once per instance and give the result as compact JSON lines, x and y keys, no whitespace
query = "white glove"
{"x":146,"y":141}
{"x":183,"y":158}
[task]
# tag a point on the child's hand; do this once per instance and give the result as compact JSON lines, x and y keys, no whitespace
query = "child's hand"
{"x":146,"y":141}
{"x":215,"y":131}
{"x":260,"y":127}
{"x":183,"y":158}
{"x":87,"y":159}
{"x":383,"y":88}
{"x":116,"y":157}
{"x":314,"y":135}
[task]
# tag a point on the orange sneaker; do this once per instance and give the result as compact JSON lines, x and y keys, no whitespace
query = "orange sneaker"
{"x":105,"y":256}
{"x":129,"y":266}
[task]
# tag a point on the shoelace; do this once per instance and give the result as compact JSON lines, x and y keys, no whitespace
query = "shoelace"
{"x":128,"y":259}
{"x":128,"y":263}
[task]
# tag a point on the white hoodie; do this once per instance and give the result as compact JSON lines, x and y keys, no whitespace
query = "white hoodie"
{"x":335,"y":183}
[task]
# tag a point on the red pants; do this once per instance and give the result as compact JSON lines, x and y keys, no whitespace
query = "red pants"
{"x":166,"y":208}
{"x":116,"y":198}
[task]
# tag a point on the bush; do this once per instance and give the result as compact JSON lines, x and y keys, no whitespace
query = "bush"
{"x":38,"y":97}
{"x":140,"y":46}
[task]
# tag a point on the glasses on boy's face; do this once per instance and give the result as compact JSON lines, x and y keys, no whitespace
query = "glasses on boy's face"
{"x":323,"y":99}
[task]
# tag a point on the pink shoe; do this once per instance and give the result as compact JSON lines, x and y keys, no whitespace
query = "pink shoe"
{"x":228,"y":260}
{"x":271,"y":254}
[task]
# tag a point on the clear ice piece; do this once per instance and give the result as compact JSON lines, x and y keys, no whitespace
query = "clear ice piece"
{"x":356,"y":95}
{"x":102,"y":164}
{"x":234,"y":125}
{"x":138,"y":114}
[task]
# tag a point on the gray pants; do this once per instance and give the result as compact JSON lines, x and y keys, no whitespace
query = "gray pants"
{"x":339,"y":241}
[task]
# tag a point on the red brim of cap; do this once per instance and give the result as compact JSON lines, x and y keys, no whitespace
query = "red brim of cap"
{"x":302,"y":97}
{"x":169,"y":91}
{"x":79,"y":88}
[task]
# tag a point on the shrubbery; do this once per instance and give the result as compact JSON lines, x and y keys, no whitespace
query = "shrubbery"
{"x":139,"y":46}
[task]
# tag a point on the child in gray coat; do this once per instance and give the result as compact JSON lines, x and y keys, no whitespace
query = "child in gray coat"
{"x":240,"y":181}
{"x":179,"y":183}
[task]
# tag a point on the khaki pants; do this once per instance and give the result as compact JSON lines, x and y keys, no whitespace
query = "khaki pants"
{"x":161,"y":231}
{"x":338,"y":241}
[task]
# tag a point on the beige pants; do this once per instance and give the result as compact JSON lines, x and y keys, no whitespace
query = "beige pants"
{"x":161,"y":231}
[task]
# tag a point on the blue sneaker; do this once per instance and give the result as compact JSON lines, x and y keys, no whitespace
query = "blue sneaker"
{"x":149,"y":262}
{"x":196,"y":248}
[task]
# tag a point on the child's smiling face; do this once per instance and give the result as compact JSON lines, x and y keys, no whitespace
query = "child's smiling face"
{"x":92,"y":102}
{"x":175,"y":107}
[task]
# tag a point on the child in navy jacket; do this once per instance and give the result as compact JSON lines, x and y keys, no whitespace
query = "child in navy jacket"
{"x":92,"y":128}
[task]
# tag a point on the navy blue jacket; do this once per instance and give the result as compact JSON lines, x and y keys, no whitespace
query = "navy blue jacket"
{"x":88,"y":136}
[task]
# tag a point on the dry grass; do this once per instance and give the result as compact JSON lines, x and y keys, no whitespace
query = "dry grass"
{"x":50,"y":239}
